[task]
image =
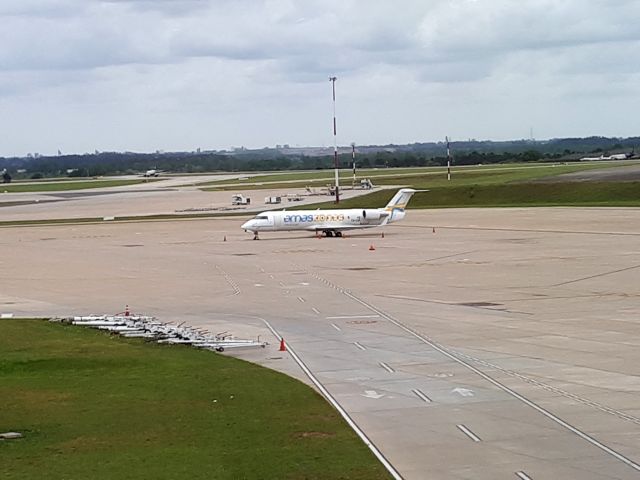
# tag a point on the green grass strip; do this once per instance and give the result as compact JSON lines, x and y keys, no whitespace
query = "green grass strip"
{"x":96,"y":406}
{"x":123,"y":219}
{"x":427,"y":178}
{"x":68,"y":185}
{"x":604,"y":194}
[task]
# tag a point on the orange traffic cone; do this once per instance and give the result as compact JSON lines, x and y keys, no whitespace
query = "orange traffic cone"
{"x":283,"y":347}
{"x":371,"y":247}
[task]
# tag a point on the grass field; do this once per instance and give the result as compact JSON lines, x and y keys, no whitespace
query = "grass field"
{"x":50,"y":179}
{"x":67,"y":185}
{"x":96,"y":406}
{"x":604,"y":194}
{"x":422,"y":178}
{"x":319,"y":175}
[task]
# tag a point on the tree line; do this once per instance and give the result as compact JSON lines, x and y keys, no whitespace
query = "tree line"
{"x":412,"y":155}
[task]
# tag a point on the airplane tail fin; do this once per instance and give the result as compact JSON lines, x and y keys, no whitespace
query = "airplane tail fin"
{"x":401,"y":199}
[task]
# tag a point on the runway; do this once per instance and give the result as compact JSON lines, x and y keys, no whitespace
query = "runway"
{"x":479,"y":343}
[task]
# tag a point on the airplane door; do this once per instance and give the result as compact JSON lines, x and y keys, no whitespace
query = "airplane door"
{"x":270,"y":222}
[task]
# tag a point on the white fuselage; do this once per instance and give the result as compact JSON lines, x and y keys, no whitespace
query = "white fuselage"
{"x":331,"y":222}
{"x":322,"y":220}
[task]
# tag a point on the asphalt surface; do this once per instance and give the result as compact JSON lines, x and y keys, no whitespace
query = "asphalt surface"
{"x":478,"y":343}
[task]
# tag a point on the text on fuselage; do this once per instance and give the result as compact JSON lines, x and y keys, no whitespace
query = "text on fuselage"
{"x":321,"y":217}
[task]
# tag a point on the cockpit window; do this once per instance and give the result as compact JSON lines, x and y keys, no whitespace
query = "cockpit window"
{"x":261,"y":217}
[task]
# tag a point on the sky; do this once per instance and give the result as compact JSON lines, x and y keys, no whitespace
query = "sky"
{"x":177,"y":75}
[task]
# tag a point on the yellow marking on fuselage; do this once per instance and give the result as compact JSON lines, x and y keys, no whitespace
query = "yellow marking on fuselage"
{"x":399,"y":206}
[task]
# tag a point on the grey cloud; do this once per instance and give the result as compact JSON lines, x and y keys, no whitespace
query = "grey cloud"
{"x":166,"y":59}
{"x":469,"y":27}
{"x":166,"y":7}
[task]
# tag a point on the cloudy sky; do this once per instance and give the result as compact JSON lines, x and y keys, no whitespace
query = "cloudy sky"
{"x":80,"y":75}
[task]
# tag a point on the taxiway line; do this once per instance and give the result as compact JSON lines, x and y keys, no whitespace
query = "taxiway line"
{"x":501,"y":386}
{"x":421,"y":395}
{"x":386,"y":367}
{"x":390,"y":468}
{"x":468,"y":433}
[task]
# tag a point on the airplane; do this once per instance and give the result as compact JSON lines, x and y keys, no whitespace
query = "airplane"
{"x":615,"y":156}
{"x":151,"y":173}
{"x":331,"y":222}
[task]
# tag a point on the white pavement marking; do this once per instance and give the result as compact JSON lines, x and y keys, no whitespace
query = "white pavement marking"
{"x":229,"y":280}
{"x":464,"y":392}
{"x":421,"y":395}
{"x":344,"y":317}
{"x":390,"y":468}
{"x":386,"y":367}
{"x":361,"y":347}
{"x":315,"y":310}
{"x":523,"y":476}
{"x":372,"y":394}
{"x":501,"y":386}
{"x":270,"y":276}
{"x":281,"y":284}
{"x":336,"y":327}
{"x":468,"y":433}
{"x":300,"y":299}
{"x":550,"y":388}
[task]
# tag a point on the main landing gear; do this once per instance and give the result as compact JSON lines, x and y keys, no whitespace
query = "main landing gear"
{"x":331,"y":233}
{"x":255,"y":236}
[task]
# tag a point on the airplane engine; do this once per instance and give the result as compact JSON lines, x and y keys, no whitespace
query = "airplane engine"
{"x":370,"y":215}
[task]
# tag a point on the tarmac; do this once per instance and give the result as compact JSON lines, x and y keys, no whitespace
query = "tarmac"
{"x":466,"y":343}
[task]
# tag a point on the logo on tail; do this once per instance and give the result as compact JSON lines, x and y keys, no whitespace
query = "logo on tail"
{"x":401,"y":199}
